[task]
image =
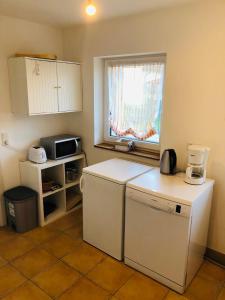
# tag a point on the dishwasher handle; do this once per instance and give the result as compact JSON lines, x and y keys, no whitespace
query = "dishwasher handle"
{"x":152,"y":204}
{"x":158,"y":204}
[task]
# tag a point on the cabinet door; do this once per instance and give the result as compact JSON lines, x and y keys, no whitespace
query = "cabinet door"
{"x":69,"y":87}
{"x":42,"y":86}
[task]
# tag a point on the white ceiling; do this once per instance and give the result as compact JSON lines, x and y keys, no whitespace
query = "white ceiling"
{"x":65,"y":13}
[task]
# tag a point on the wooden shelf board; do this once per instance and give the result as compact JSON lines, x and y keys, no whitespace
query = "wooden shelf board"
{"x":73,"y":183}
{"x":54,"y":216}
{"x":53,"y":163}
{"x":44,"y":195}
{"x":74,"y":208}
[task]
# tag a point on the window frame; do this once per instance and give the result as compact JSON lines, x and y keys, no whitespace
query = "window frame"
{"x":160,"y":57}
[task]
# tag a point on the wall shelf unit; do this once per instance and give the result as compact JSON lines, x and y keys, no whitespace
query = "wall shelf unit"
{"x":65,"y":174}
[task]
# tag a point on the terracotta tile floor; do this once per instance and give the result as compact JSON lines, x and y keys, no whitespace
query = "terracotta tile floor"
{"x":54,"y":263}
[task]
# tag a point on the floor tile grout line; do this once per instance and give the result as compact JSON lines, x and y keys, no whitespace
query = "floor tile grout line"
{"x":85,"y":275}
{"x":62,"y":230}
{"x":101,"y":261}
{"x":97,"y":285}
{"x":191,"y":294}
{"x":41,"y":287}
{"x":50,"y":239}
{"x":8,"y":240}
{"x":20,"y":256}
{"x":218,"y":296}
{"x":67,"y":234}
{"x":72,"y":285}
{"x":209,"y":279}
{"x":74,"y":225}
{"x":164,"y":298}
{"x":34,"y":246}
{"x":24,"y":254}
{"x":46,"y":269}
{"x":13,"y":289}
{"x":74,"y":268}
{"x":111,"y":293}
{"x":124,"y":283}
{"x":34,"y":283}
{"x":41,"y":243}
{"x":218,"y":282}
{"x":43,"y":270}
{"x":46,"y":249}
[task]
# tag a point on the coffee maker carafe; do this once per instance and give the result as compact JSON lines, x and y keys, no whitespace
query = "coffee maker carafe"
{"x":197,"y":160}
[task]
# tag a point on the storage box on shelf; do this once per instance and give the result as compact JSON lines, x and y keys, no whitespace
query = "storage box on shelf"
{"x":57,"y":184}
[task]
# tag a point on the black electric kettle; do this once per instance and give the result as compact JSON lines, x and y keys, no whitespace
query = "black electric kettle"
{"x":168,"y":162}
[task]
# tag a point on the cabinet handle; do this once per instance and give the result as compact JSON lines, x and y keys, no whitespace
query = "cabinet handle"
{"x":57,"y":87}
{"x":82,"y":184}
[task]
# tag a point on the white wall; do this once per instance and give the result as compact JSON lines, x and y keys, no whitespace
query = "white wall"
{"x":192,"y":35}
{"x":21,"y":36}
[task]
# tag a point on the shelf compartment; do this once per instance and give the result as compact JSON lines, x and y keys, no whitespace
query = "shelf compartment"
{"x":73,"y":197}
{"x":50,"y":177}
{"x":73,"y":170}
{"x":54,"y":205}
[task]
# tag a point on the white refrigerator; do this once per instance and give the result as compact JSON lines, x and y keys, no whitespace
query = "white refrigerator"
{"x":103,"y":187}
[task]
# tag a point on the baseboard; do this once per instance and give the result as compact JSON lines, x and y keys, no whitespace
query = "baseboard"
{"x":215,"y":256}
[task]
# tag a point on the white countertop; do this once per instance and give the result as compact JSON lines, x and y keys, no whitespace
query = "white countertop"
{"x":169,"y":187}
{"x":117,"y":170}
{"x":51,"y":163}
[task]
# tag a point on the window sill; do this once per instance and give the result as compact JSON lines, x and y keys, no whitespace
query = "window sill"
{"x":151,"y":154}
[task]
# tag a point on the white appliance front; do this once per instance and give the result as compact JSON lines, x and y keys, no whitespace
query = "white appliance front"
{"x":103,"y":187}
{"x":103,"y":214}
{"x":157,"y":237}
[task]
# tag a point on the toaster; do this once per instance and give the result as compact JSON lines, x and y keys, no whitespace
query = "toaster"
{"x":37,"y":154}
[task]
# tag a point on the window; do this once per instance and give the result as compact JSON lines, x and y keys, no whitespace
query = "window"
{"x":134,"y":92}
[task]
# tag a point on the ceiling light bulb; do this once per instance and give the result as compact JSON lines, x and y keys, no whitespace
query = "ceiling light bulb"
{"x":90,"y":9}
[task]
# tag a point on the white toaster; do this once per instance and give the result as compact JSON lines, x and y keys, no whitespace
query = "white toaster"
{"x":37,"y":154}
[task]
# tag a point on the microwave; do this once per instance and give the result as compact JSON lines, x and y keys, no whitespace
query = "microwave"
{"x":61,"y":146}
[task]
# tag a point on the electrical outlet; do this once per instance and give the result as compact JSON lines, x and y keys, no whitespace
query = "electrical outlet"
{"x":4,"y":139}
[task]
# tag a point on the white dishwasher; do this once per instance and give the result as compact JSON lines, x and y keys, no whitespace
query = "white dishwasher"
{"x":166,"y":226}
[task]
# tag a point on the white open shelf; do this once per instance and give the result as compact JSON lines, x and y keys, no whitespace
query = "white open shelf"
{"x":74,"y":183}
{"x":73,"y":197}
{"x":66,"y":197}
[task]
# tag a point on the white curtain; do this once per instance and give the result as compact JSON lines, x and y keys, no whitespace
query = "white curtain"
{"x":135,"y":98}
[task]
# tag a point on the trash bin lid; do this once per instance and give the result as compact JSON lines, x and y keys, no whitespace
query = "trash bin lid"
{"x":20,"y":193}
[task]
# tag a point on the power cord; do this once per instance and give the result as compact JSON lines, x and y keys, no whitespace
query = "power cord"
{"x":85,"y":158}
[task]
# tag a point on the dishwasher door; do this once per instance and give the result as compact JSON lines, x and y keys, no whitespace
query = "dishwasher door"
{"x":157,"y":234}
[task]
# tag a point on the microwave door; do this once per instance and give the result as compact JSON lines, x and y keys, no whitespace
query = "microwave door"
{"x":66,"y":148}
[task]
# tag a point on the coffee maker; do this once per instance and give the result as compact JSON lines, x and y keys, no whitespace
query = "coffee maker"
{"x":197,"y":160}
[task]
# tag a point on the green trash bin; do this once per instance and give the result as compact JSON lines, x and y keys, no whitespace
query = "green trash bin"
{"x":21,"y":208}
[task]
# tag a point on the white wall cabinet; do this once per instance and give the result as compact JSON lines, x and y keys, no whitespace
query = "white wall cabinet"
{"x":67,"y":90}
{"x":40,"y":86}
